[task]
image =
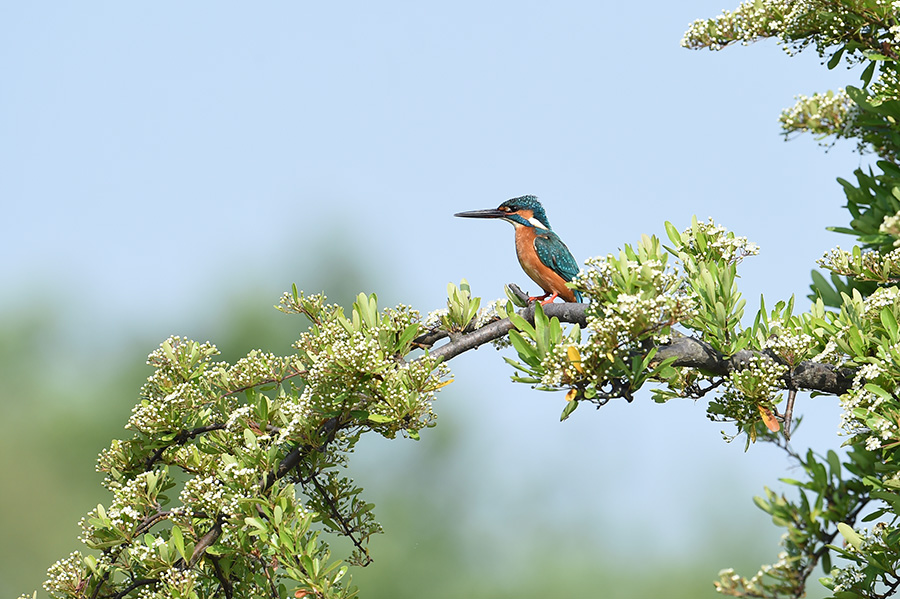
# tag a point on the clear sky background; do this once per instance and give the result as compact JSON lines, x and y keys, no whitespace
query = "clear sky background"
{"x":158,"y":159}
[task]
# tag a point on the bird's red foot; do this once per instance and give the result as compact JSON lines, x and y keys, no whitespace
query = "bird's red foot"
{"x":543,"y":298}
{"x":550,"y":299}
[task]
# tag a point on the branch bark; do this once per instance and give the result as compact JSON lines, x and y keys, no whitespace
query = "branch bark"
{"x":568,"y":312}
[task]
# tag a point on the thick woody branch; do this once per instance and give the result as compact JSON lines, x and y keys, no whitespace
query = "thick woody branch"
{"x":571,"y":313}
{"x":688,"y":352}
{"x":812,"y":376}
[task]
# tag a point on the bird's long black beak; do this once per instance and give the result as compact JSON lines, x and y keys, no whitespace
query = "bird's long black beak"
{"x":492,"y":213}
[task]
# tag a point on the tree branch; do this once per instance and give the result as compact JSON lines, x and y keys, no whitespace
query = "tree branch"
{"x":568,"y":312}
{"x":227,"y":587}
{"x":205,"y":542}
{"x":688,"y":351}
{"x":181,"y":438}
{"x":345,"y":527}
{"x":328,"y":429}
{"x":134,"y":585}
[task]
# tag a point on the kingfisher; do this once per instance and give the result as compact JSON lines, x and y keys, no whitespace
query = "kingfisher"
{"x":542,"y":254}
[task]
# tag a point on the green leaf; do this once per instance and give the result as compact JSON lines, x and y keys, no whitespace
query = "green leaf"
{"x":834,"y":62}
{"x":873,"y":388}
{"x":762,"y":504}
{"x":866,"y":77}
{"x":408,"y":334}
{"x":527,"y":352}
{"x":850,"y":535}
{"x":513,"y":298}
{"x":542,"y":331}
{"x":567,"y":411}
{"x":287,"y":543}
{"x":674,"y":235}
{"x":262,"y":408}
{"x":890,"y":322}
{"x":380,"y":418}
{"x":307,"y":563}
{"x":834,"y":462}
{"x":250,"y":439}
{"x":255,"y":522}
{"x":89,"y":560}
{"x":891,"y":498}
{"x":169,"y":352}
{"x":522,"y":324}
{"x":178,"y":540}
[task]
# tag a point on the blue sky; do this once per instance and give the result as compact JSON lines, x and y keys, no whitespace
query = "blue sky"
{"x":157,"y":157}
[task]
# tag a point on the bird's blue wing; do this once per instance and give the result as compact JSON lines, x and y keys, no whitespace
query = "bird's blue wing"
{"x":554,"y":254}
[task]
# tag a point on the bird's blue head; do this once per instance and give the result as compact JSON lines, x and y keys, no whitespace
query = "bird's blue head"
{"x":523,"y":211}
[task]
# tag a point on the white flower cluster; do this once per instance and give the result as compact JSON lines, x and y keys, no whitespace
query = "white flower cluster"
{"x":891,"y":224}
{"x":829,"y":112}
{"x":298,"y":414}
{"x":176,"y":582}
{"x":829,"y":354}
{"x":122,"y":513}
{"x":206,"y":495}
{"x":631,"y":316}
{"x":172,"y":389}
{"x":144,"y":548}
{"x":238,"y":418}
{"x":868,"y":372}
{"x":741,"y":24}
{"x":730,"y":583}
{"x":492,"y":311}
{"x":727,"y":246}
{"x":790,"y":346}
{"x":435,"y":318}
{"x":867,"y":265}
{"x":255,"y":367}
{"x":64,"y":577}
{"x":557,"y":368}
{"x":760,"y":381}
{"x":860,"y":416}
{"x":796,"y":23}
{"x":233,"y":474}
{"x":352,"y":368}
{"x":847,"y":578}
{"x":154,"y":414}
{"x":633,"y":299}
{"x":881,"y":298}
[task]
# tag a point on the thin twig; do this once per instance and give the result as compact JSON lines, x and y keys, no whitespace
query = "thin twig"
{"x":789,"y":413}
{"x":220,"y":575}
{"x":149,"y":522}
{"x":180,"y":439}
{"x":134,"y":585}
{"x":336,"y":514}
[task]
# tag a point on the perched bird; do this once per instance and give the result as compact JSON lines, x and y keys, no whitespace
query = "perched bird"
{"x":542,"y":254}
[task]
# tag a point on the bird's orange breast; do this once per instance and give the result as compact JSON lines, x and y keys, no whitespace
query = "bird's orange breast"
{"x":540,"y":273}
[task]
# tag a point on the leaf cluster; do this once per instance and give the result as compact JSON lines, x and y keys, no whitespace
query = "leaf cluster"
{"x":234,"y":479}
